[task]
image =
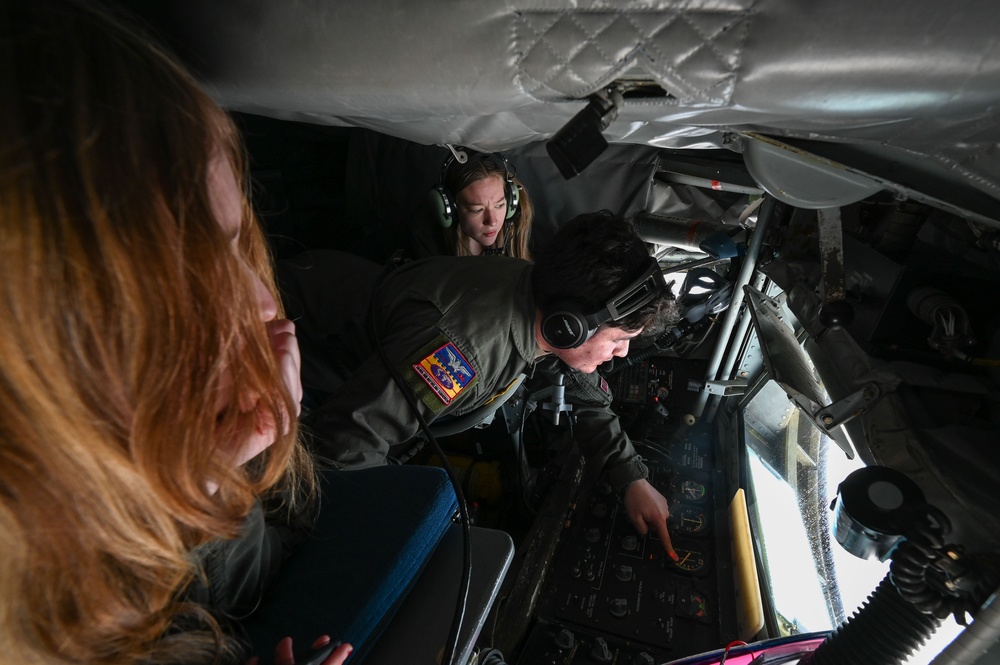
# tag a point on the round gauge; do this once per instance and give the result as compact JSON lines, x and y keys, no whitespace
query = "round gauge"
{"x":694,"y":605}
{"x":691,"y":558}
{"x":686,"y":488}
{"x":688,"y":520}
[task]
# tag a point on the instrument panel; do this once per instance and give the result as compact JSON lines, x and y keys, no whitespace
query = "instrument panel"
{"x":613,"y":595}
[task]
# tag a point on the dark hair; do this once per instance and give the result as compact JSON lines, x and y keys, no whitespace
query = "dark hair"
{"x":590,"y":259}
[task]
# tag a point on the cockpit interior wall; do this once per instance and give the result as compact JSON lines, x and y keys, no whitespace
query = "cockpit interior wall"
{"x":396,"y":175}
{"x":912,"y":79}
{"x":358,"y":190}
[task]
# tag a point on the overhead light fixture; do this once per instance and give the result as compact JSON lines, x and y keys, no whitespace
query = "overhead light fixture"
{"x":580,"y":142}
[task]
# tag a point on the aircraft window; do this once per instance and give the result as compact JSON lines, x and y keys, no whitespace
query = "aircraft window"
{"x":814,"y":582}
{"x":796,"y":588}
{"x":794,"y":470}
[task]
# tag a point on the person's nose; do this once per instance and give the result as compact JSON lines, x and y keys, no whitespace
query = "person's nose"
{"x":621,"y":349}
{"x":495,"y":217}
{"x":265,"y":301}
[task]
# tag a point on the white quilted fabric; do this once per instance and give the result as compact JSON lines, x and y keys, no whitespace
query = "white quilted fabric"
{"x":693,"y":52}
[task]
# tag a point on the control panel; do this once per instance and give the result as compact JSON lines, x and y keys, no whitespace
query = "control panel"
{"x":613,"y":595}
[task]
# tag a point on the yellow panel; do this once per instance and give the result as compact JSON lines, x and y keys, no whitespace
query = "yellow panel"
{"x":749,"y":605}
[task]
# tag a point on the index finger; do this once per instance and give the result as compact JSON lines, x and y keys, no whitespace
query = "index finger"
{"x":664,"y":536}
{"x":283,"y":653}
{"x":339,"y":655}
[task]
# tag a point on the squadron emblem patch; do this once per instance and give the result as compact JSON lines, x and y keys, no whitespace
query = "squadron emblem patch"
{"x":441,"y":374}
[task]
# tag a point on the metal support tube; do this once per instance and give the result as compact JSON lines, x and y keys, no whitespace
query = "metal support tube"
{"x":733,"y":313}
{"x":708,"y":183}
{"x":734,"y":351}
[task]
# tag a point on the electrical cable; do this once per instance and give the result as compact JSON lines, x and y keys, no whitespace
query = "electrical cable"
{"x":734,"y":643}
{"x":463,"y":509}
{"x":527,"y":481}
{"x":691,"y":345}
{"x":655,"y":447}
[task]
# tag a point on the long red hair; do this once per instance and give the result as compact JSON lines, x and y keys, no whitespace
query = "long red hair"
{"x":124,"y":314}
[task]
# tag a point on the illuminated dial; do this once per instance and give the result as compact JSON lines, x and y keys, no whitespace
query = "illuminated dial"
{"x":694,"y":605}
{"x":687,"y":520}
{"x":692,"y":558}
{"x":688,"y":489}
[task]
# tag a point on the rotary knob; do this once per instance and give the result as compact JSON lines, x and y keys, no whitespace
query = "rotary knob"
{"x":600,"y":653}
{"x":565,"y":639}
{"x":619,"y":607}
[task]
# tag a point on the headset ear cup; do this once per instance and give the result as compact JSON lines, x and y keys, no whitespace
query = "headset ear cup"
{"x":565,"y":326}
{"x":441,"y":206}
{"x":513,"y":193}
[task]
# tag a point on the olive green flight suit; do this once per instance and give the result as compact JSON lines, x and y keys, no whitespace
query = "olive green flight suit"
{"x":459,"y":331}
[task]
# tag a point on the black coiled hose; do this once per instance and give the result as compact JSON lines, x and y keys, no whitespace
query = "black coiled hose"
{"x":928,"y":580}
{"x":911,"y":563}
{"x":884,"y":631}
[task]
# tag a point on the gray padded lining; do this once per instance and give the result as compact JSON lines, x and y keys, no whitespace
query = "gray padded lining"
{"x":692,"y":51}
{"x":917,"y":81}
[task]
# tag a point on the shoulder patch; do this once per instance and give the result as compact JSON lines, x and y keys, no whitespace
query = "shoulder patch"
{"x":604,"y":386}
{"x":439,"y":374}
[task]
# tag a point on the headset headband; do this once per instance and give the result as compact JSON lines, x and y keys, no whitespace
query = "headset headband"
{"x":566,"y":323}
{"x":646,"y":287}
{"x":442,"y":199}
{"x":509,"y":172}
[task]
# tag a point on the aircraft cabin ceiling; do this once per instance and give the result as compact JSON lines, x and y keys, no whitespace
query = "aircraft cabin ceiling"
{"x":907,"y":88}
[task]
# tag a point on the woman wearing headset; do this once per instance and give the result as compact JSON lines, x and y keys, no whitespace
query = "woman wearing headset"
{"x":478,"y":208}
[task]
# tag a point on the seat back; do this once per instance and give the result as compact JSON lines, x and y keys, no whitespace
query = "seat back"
{"x":376,"y":530}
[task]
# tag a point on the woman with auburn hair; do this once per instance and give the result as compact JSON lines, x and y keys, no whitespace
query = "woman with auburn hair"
{"x":149,"y":384}
{"x":479,"y":207}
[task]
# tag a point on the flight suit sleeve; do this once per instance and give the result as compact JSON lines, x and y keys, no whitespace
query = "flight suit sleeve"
{"x":598,"y":431}
{"x":358,"y":423}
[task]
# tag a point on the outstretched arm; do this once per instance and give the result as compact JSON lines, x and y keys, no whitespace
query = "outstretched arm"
{"x":600,"y":436}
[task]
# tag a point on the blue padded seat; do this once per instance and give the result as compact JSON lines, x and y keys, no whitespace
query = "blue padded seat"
{"x":376,"y":530}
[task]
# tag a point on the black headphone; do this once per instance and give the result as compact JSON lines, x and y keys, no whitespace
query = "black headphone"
{"x":567,"y":325}
{"x":443,"y":203}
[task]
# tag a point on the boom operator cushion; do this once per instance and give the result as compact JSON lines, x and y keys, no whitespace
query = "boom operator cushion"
{"x":376,"y":530}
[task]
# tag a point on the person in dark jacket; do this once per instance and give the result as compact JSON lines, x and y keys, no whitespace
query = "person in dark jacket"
{"x":450,"y":338}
